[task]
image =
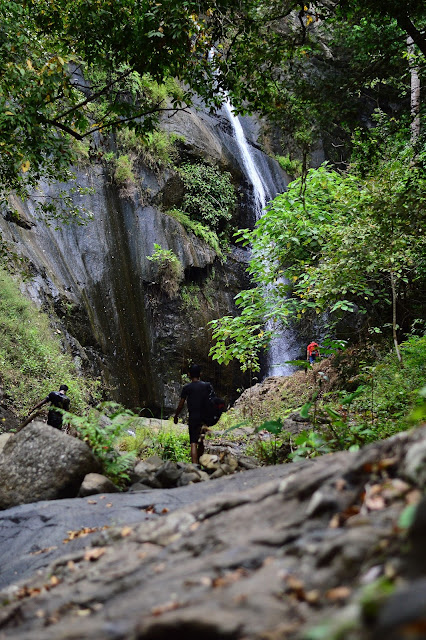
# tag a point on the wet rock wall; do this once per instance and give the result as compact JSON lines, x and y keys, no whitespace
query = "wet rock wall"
{"x":103,"y":287}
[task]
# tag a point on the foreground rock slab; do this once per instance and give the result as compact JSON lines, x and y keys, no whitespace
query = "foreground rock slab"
{"x":301,"y":555}
{"x":32,"y":536}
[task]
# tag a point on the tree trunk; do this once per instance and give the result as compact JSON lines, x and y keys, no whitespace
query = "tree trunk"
{"x":415,"y":92}
{"x":406,"y":25}
{"x":394,"y":329}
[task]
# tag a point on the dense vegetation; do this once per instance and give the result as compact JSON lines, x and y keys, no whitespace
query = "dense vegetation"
{"x":344,"y":245}
{"x":351,"y":399}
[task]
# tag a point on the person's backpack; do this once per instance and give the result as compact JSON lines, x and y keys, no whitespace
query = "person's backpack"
{"x":213,"y":408}
{"x":59,"y":400}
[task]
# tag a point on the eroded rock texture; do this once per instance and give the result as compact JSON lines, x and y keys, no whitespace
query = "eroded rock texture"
{"x":267,"y":561}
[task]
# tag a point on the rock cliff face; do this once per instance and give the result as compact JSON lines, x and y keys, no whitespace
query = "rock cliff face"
{"x":103,"y":287}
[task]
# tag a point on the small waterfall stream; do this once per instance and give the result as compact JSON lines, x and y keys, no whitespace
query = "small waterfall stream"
{"x":283,"y":346}
{"x":259,"y":193}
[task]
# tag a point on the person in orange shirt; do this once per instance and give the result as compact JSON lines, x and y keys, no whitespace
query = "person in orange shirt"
{"x":312,"y":352}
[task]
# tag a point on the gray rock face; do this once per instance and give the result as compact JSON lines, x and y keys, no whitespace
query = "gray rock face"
{"x":120,"y":320}
{"x":42,"y":463}
{"x":32,"y":536}
{"x":4,"y":437}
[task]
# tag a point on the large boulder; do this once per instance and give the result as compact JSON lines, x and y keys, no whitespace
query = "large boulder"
{"x":42,"y":463}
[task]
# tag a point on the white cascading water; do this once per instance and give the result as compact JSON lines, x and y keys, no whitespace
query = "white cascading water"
{"x":252,"y":173}
{"x":283,"y":346}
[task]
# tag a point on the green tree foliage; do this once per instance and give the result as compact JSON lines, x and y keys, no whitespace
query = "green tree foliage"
{"x":70,"y":68}
{"x":336,"y":243}
{"x":315,"y":67}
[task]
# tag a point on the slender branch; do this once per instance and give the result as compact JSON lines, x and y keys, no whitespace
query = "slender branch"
{"x":394,"y":333}
{"x":108,"y":125}
{"x":95,"y":95}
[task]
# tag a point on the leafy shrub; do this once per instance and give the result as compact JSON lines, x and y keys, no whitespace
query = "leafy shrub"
{"x":292,"y":167}
{"x":124,"y":176}
{"x":160,"y":148}
{"x":172,"y":445}
{"x":169,"y":270}
{"x":100,"y":428}
{"x":394,"y":392}
{"x":198,"y":229}
{"x":81,"y":150}
{"x":209,"y":195}
{"x":155,"y":149}
{"x":169,"y":443}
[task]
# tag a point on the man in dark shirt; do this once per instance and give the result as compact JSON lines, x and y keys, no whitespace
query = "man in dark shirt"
{"x":196,"y":394}
{"x":59,"y":400}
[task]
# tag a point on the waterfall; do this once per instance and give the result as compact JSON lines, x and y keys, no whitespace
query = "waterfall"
{"x":283,"y":347}
{"x":253,"y":176}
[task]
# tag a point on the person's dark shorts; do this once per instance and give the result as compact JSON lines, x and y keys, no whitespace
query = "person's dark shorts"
{"x":54,"y":419}
{"x":194,"y":426}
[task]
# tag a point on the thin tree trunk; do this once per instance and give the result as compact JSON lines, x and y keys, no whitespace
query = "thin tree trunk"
{"x":415,"y":92}
{"x":394,"y":331}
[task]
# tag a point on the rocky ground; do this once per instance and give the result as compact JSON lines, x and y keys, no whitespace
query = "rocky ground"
{"x":326,"y":548}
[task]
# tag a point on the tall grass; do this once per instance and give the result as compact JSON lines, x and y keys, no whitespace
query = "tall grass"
{"x":32,"y":359}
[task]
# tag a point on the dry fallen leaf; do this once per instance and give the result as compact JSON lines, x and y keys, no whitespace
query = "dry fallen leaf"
{"x":229,"y":578}
{"x":399,"y":486}
{"x":340,"y":484}
{"x":159,"y":568}
{"x":91,"y":502}
{"x":335,"y":521}
{"x":95,"y":553}
{"x":25,"y":592}
{"x":375,"y":503}
{"x":338,"y":593}
{"x":81,"y":533}
{"x":372,"y":467}
{"x":46,"y":550}
{"x":169,"y":606}
{"x":313,"y":596}
{"x":165,"y":510}
{"x":203,"y":581}
{"x":416,"y":629}
{"x":295,"y":584}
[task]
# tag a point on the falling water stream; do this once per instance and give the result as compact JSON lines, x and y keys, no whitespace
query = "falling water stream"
{"x":283,"y":346}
